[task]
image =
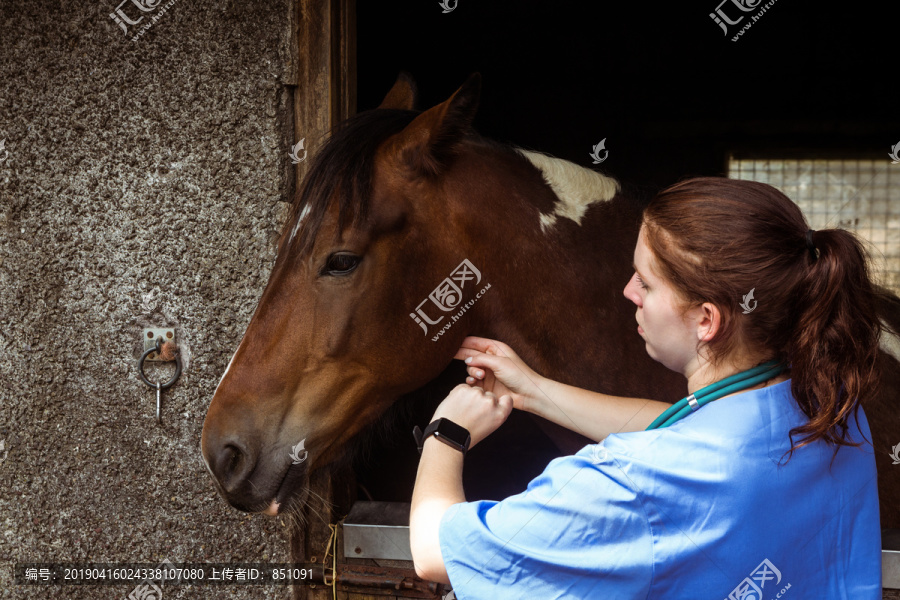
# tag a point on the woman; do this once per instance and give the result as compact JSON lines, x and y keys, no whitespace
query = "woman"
{"x":763,"y":489}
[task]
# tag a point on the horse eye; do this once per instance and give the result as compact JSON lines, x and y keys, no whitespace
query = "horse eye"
{"x":341,"y":264}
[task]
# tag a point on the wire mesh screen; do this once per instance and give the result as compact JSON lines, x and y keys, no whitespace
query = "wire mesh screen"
{"x":862,"y":196}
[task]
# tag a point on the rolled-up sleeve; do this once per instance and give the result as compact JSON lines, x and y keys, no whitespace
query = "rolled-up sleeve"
{"x":578,"y":531}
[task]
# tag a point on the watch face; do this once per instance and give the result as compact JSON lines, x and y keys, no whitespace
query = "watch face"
{"x":450,"y":430}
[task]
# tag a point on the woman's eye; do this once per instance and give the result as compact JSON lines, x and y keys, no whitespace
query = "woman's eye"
{"x":341,"y":263}
{"x":641,"y":281}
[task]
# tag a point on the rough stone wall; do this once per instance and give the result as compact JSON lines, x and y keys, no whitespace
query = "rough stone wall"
{"x":141,"y":184}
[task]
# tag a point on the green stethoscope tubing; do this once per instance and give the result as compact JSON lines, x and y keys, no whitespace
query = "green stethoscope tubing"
{"x":714,"y":391}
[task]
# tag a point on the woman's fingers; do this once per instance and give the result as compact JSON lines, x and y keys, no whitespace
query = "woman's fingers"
{"x":464,"y":353}
{"x":473,"y":345}
{"x":478,"y":344}
{"x":487,"y":362}
{"x":485,"y":378}
{"x":475,"y":372}
{"x":475,"y":377}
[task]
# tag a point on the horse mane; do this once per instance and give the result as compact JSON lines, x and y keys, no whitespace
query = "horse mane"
{"x":345,"y":163}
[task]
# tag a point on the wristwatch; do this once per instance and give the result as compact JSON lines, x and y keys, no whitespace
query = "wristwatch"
{"x":445,"y":430}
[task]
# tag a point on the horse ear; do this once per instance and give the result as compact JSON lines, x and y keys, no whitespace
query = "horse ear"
{"x":403,"y":95}
{"x":426,"y":143}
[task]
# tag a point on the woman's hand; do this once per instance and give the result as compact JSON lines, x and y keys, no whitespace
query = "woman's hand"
{"x":494,"y":367}
{"x":478,"y":411}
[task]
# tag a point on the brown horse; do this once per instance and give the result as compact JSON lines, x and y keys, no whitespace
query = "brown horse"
{"x":411,"y":232}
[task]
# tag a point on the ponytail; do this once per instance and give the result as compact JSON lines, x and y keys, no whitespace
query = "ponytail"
{"x":833,"y":348}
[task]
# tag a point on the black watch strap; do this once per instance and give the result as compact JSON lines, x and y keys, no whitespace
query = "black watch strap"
{"x":445,"y":430}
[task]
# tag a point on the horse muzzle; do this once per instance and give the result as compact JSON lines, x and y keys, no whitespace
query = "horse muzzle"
{"x":254,"y":481}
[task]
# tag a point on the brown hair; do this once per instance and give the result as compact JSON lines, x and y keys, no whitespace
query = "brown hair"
{"x":714,"y":239}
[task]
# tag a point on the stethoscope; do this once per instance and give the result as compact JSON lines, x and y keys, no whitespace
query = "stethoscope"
{"x":714,"y":391}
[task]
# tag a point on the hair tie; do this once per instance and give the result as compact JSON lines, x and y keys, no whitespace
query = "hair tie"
{"x":809,"y":244}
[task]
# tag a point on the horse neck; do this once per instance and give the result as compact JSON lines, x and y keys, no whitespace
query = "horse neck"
{"x":556,"y":275}
{"x":574,"y":301}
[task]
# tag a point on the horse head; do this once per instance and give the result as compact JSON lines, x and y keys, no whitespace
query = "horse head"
{"x":332,"y":343}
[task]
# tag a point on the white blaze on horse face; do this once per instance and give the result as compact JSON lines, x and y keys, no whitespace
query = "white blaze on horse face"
{"x":214,"y":395}
{"x":299,"y":221}
{"x":575,"y":186}
{"x":230,"y":362}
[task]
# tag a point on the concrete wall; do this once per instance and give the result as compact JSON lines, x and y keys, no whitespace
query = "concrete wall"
{"x":141,"y":184}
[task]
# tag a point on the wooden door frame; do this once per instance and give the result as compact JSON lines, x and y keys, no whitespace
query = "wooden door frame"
{"x":322,"y":72}
{"x":325,"y":44}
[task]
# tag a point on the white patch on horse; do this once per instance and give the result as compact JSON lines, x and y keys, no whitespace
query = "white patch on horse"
{"x":890,"y":343}
{"x":228,"y":367}
{"x":214,"y":394}
{"x":574,"y":185}
{"x":299,"y":221}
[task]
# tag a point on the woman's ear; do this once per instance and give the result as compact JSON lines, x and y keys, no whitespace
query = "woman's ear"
{"x":708,"y":321}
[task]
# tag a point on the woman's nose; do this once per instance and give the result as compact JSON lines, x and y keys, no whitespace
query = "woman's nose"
{"x":631,"y":292}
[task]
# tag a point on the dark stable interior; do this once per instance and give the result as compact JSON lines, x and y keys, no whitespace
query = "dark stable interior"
{"x":672,"y":95}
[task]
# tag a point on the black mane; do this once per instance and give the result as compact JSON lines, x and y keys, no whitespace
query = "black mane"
{"x":345,"y":163}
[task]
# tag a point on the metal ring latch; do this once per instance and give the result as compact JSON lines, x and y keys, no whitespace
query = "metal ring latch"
{"x":158,"y":386}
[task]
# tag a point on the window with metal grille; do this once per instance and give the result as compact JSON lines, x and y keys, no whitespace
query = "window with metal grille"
{"x":862,"y":196}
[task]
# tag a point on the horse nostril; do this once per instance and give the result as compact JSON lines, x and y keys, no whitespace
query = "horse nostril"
{"x":234,"y":464}
{"x":235,"y":459}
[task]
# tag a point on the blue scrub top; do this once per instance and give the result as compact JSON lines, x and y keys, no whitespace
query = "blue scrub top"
{"x":701,"y":509}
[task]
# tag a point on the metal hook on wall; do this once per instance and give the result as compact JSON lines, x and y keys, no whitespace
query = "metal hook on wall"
{"x":158,"y":386}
